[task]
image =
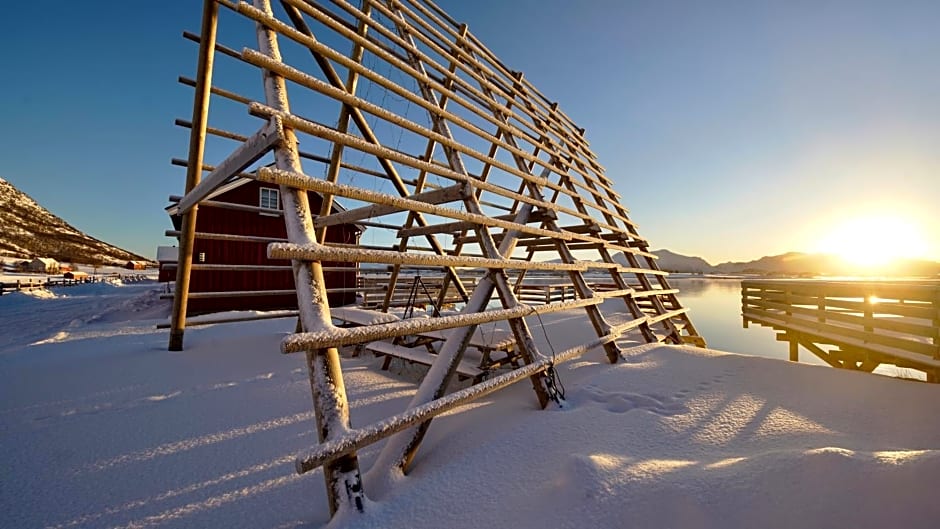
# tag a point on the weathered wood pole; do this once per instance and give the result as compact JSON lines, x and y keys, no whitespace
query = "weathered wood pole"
{"x":197,"y":141}
{"x":342,"y":476}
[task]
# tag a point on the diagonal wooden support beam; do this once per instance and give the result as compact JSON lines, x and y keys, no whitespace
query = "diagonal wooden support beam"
{"x":453,"y":227}
{"x":435,"y":196}
{"x":249,"y":152}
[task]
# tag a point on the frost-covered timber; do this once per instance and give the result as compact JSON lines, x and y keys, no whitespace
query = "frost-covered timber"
{"x":435,"y":138}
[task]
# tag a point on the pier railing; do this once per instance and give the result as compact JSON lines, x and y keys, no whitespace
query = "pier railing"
{"x":852,"y":324}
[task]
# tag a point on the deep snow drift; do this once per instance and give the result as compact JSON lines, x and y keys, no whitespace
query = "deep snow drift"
{"x":100,"y":426}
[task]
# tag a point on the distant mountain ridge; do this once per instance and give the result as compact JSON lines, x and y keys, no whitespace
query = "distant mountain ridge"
{"x":790,"y":263}
{"x":30,"y":230}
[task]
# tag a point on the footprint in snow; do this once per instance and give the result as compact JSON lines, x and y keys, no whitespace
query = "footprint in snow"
{"x":622,"y":401}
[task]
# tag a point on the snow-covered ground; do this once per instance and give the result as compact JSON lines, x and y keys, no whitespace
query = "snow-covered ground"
{"x":100,"y":426}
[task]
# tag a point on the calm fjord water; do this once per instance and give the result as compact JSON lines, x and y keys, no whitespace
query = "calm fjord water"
{"x":716,"y":313}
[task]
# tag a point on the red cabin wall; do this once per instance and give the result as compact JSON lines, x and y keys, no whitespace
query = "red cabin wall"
{"x":167,"y":272}
{"x":218,"y":220}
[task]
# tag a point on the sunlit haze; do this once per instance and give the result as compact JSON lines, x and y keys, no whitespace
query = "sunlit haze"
{"x":874,"y":240}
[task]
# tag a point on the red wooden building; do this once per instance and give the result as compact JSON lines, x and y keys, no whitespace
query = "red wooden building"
{"x":250,"y":208}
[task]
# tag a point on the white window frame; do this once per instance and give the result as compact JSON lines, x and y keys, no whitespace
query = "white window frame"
{"x":265,"y":195}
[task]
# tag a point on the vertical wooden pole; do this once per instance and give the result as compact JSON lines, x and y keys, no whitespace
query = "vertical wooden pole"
{"x":197,"y":141}
{"x":794,"y":349}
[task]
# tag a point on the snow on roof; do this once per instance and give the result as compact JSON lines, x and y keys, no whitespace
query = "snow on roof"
{"x":46,"y":260}
{"x":238,"y":182}
{"x":167,"y":253}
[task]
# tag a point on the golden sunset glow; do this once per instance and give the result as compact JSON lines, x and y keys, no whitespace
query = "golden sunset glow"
{"x":874,"y":240}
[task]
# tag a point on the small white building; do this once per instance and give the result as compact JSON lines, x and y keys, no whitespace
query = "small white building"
{"x":167,"y":257}
{"x":44,"y":265}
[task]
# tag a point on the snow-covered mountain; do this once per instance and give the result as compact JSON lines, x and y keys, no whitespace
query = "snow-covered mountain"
{"x":28,"y":229}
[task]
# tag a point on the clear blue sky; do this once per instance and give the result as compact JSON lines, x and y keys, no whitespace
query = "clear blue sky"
{"x":732,"y":129}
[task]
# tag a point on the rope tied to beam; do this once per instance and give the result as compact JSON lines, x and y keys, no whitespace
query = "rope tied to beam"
{"x":553,"y":384}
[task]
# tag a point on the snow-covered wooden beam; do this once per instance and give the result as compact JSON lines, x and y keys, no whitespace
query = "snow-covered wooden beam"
{"x":329,"y":134}
{"x":306,"y":80}
{"x":470,"y":65}
{"x":311,"y":252}
{"x":235,"y":319}
{"x":454,"y":227}
{"x":241,"y":158}
{"x":435,"y":196}
{"x":302,"y":181}
{"x":336,"y":337}
{"x":361,"y":437}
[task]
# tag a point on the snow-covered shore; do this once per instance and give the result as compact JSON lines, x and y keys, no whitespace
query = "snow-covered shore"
{"x":102,"y":427}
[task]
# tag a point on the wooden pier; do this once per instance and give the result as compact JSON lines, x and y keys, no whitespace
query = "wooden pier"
{"x":856,"y":325}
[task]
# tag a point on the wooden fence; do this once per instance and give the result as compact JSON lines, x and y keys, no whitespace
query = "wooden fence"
{"x":38,"y":284}
{"x":855,"y":325}
{"x":374,"y":288}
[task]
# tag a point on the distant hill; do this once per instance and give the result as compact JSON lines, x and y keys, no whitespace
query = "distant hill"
{"x":673,"y":262}
{"x":29,"y":230}
{"x":791,"y":264}
{"x":797,"y":263}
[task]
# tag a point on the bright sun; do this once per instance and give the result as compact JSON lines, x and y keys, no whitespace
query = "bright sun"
{"x":874,"y":240}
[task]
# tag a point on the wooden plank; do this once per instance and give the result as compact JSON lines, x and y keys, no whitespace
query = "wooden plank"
{"x":913,"y":309}
{"x":237,"y":319}
{"x":244,"y":267}
{"x":359,"y":316}
{"x":227,"y":237}
{"x":240,"y":293}
{"x":465,"y":368}
{"x":338,"y":337}
{"x":412,"y":70}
